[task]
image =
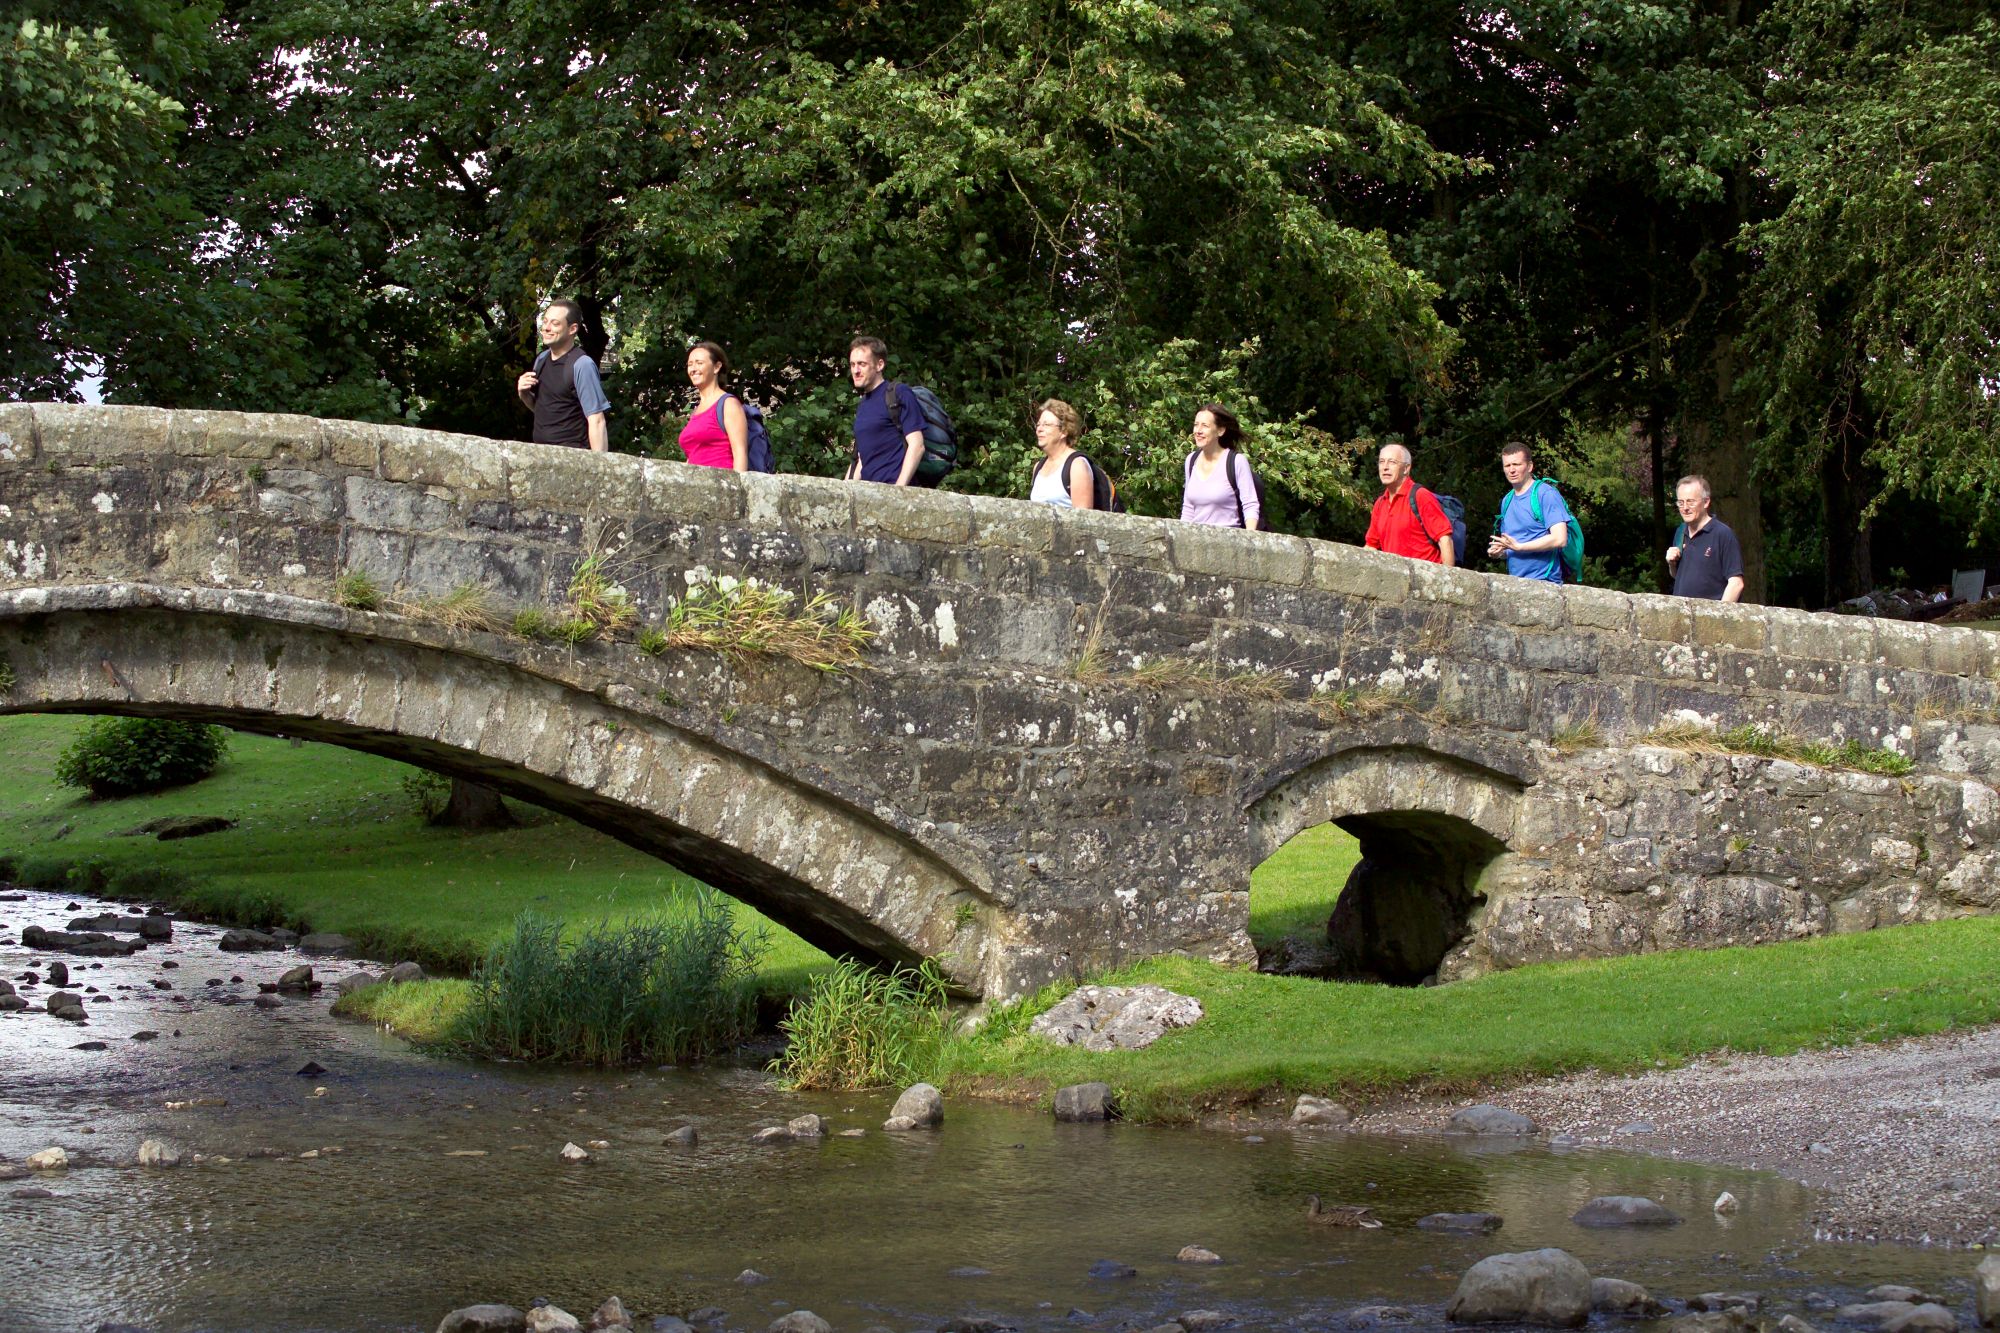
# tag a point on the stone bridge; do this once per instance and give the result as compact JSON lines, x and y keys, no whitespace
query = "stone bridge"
{"x":1074,"y":736}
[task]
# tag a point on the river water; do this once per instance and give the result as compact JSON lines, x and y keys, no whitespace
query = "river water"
{"x":411,"y":1186}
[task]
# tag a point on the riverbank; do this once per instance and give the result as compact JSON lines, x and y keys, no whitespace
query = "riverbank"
{"x":1895,"y":1139}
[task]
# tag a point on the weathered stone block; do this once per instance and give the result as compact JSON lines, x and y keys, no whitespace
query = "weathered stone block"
{"x":1663,"y":619}
{"x":1455,"y":587}
{"x":1825,"y":638}
{"x":396,"y":505}
{"x":473,"y":468}
{"x":1359,"y":572}
{"x":1019,"y":527}
{"x":1530,"y":602}
{"x":679,"y":491}
{"x":1597,"y":608}
{"x":573,"y":481}
{"x":1720,"y":625}
{"x":355,"y":444}
{"x":1901,"y":644}
{"x":1232,"y":553}
{"x":1087,"y":534}
{"x":67,"y":431}
{"x":17,"y":433}
{"x":915,"y":514}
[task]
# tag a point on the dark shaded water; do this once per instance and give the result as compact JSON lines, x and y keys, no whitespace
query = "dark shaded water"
{"x":403,"y":1223}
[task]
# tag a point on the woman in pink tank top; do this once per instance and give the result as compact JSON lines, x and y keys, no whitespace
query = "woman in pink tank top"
{"x":714,"y":438}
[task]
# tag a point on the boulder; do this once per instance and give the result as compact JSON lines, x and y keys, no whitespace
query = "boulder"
{"x":285,"y":938}
{"x":684,"y":1137}
{"x":155,"y":928}
{"x":921,"y":1104}
{"x":573,"y":1154}
{"x":1085,"y":1101}
{"x":253,"y":941}
{"x":1746,"y":1302}
{"x":1116,"y":1018}
{"x":406,"y":971}
{"x":1489,"y":1119}
{"x":806,"y":1127}
{"x":298,"y":978}
{"x":611,"y":1314}
{"x":1928,"y":1317}
{"x":12,"y":1004}
{"x":1546,"y":1287}
{"x":1725,"y":1204}
{"x":66,"y":1004}
{"x":1463,"y":1224}
{"x":1311,"y":1110}
{"x":155,"y":1153}
{"x":355,"y":981}
{"x":325,"y":943}
{"x":268,"y":1002}
{"x":48,"y":1159}
{"x":1196,"y":1254}
{"x":1610,"y":1295}
{"x":897,"y":1124}
{"x":484,"y":1319}
{"x":1986,"y":1290}
{"x":772,"y":1134}
{"x":750,"y":1277}
{"x":1874,"y":1314}
{"x":551,"y":1319}
{"x":1895,"y":1291}
{"x":6,"y":986}
{"x":1624,"y":1210}
{"x":1203,"y":1321}
{"x":59,"y":973}
{"x":799,"y":1321}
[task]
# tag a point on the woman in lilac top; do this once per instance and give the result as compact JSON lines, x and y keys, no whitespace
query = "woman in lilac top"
{"x":714,"y":438}
{"x":1209,"y":497}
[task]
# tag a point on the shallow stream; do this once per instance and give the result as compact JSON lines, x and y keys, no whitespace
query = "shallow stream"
{"x":446,"y":1189}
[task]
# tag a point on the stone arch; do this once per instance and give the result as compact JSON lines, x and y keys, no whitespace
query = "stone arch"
{"x":855,"y":881}
{"x":1429,"y":826}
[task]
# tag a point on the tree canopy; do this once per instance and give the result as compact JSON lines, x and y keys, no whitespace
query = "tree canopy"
{"x":1748,"y":237}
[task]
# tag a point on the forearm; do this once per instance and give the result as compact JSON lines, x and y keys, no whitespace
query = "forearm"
{"x":600,"y":434}
{"x":913,"y":454}
{"x":527,"y":397}
{"x":1732,"y":591}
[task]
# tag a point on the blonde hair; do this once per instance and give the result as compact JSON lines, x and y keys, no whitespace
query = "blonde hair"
{"x":1066,"y":416}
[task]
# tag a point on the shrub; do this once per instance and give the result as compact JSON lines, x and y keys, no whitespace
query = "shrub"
{"x":672,"y":988}
{"x":858,"y":1028}
{"x":124,"y":756}
{"x":429,"y":792}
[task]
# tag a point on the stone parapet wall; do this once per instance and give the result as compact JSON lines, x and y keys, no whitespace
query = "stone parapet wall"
{"x":1099,"y":814}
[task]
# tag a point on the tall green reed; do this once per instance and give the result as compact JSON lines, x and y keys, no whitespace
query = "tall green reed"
{"x":858,"y":1028}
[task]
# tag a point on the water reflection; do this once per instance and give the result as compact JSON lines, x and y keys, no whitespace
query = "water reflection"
{"x":446,"y":1190}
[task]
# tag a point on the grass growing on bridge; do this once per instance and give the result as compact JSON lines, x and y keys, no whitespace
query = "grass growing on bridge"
{"x":327,"y":838}
{"x":1281,"y":1036}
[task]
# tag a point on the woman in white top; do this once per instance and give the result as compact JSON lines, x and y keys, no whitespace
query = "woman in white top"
{"x":1058,"y":427}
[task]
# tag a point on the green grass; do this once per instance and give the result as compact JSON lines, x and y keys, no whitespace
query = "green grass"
{"x":327,"y":839}
{"x":1293,"y":892}
{"x":1282,"y":1035}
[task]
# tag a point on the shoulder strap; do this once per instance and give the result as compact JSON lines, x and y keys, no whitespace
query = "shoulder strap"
{"x":1229,"y":457}
{"x":1418,"y":514}
{"x":1681,"y":535}
{"x":1535,"y":501}
{"x":1187,"y":467}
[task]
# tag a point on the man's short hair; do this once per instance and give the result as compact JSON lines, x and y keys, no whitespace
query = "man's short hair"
{"x":1512,"y":447}
{"x":876,"y":347}
{"x":572,"y":311}
{"x":1695,"y":479}
{"x":1399,"y":447}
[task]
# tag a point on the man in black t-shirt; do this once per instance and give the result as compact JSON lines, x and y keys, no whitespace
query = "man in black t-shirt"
{"x":563,"y":390}
{"x":1706,"y":560}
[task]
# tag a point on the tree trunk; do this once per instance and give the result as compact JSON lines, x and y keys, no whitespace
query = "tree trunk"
{"x":474,"y":806}
{"x":1845,"y":489}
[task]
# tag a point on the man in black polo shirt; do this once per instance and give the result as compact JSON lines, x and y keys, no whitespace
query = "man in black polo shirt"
{"x":563,"y":390}
{"x":887,"y":446}
{"x":1706,"y":560}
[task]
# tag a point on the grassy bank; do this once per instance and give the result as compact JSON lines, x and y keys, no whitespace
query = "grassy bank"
{"x":326,"y":839}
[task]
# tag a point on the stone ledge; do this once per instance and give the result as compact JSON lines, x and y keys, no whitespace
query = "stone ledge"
{"x":570,"y":481}
{"x":1087,"y":534}
{"x":433,"y":458}
{"x":913,"y":514}
{"x":1232,"y":553}
{"x":17,"y":433}
{"x":1018,"y":525}
{"x":1359,"y":571}
{"x":79,"y":430}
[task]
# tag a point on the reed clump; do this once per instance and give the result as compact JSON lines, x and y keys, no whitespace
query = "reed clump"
{"x":665,"y":989}
{"x":749,"y":618}
{"x":1767,"y":744}
{"x":858,"y":1028}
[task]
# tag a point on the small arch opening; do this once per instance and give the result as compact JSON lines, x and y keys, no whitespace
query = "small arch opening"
{"x":1381,"y":897}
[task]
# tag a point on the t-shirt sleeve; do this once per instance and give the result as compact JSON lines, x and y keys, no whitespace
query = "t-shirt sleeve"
{"x":1731,"y":554}
{"x":1435,"y":525}
{"x":909,"y":414}
{"x":589,"y":389}
{"x":1246,"y":486}
{"x":1554,"y":508}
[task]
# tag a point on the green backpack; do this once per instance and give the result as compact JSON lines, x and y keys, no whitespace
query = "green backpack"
{"x":1572,"y":548}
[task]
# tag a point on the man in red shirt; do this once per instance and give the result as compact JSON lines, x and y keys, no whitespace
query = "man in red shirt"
{"x":1421,"y":532}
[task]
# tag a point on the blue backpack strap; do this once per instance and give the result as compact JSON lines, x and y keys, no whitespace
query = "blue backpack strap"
{"x":1418,"y":514}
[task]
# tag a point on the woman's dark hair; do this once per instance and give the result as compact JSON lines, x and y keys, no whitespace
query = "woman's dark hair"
{"x":1226,"y":424}
{"x":715,"y":354}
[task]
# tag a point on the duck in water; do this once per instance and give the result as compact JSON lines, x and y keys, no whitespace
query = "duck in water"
{"x":1340,"y":1214}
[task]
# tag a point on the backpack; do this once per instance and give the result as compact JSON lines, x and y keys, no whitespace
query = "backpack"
{"x":940,"y":436}
{"x":1103,"y":490}
{"x":1572,"y":547}
{"x":1454,"y":510}
{"x":1235,"y":488}
{"x":757,"y":439}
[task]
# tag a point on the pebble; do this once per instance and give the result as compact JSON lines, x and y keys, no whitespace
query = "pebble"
{"x":573,"y":1154}
{"x":1196,"y":1254}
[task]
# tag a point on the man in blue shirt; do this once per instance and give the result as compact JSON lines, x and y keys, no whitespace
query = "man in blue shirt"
{"x":563,"y":390}
{"x":885,"y":450}
{"x":1533,"y":545}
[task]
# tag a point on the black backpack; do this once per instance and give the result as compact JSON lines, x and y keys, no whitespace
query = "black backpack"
{"x":1454,"y":509}
{"x":940,"y":436}
{"x":757,"y":437}
{"x":1235,"y":487}
{"x":1103,"y":490}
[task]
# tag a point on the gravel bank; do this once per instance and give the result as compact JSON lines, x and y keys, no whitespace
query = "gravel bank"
{"x":1901,"y":1139}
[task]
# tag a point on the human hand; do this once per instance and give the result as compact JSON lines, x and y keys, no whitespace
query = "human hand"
{"x":1497,"y":546}
{"x":527,"y":382}
{"x":1673,"y":554}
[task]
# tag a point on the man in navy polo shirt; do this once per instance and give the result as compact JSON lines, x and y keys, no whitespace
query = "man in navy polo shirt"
{"x":1707,"y":562}
{"x":885,"y":450}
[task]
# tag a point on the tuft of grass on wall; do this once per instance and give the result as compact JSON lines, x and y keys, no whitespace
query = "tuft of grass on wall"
{"x":1767,"y":744}
{"x":357,"y":591}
